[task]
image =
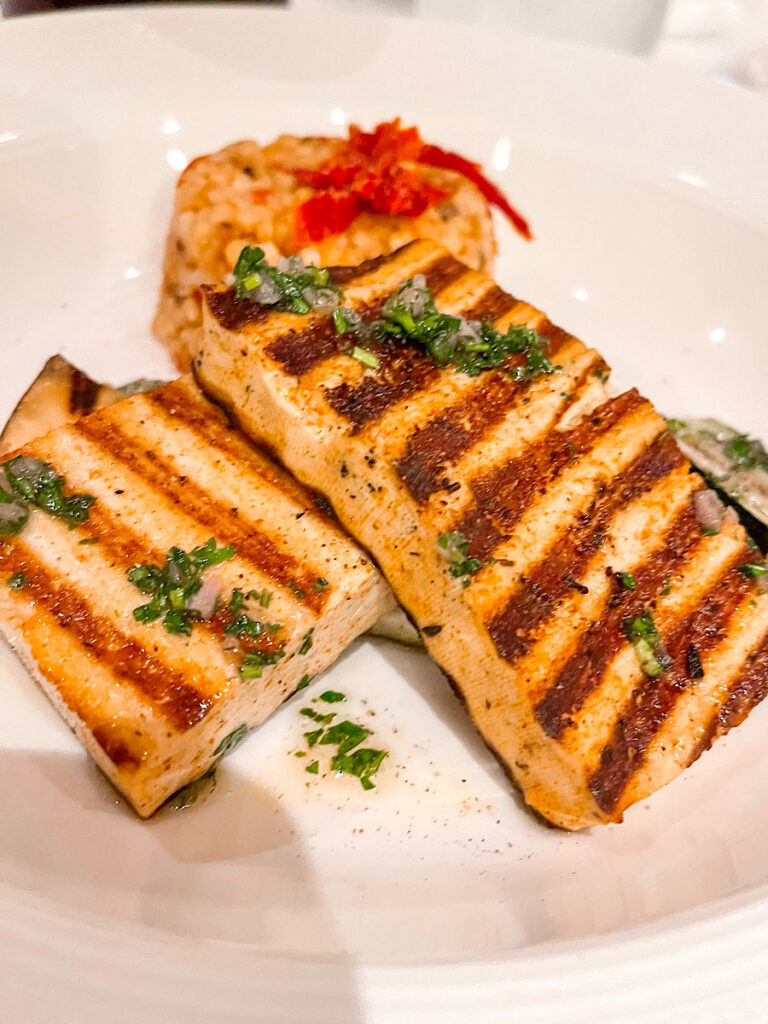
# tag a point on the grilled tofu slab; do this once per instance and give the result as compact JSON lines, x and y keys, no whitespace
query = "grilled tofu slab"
{"x":156,"y":709}
{"x":578,"y":508}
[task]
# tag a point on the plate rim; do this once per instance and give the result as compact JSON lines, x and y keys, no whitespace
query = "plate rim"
{"x":741,"y":916}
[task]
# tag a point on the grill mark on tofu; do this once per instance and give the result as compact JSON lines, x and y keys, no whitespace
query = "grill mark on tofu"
{"x":117,"y":748}
{"x":493,"y":305}
{"x":175,"y":698}
{"x":224,"y":523}
{"x":501,"y":496}
{"x":654,"y":699}
{"x":454,"y":432}
{"x":749,"y":688}
{"x":584,"y":670}
{"x":298,"y":351}
{"x":183,"y":403}
{"x":401,"y":374}
{"x":547,"y":584}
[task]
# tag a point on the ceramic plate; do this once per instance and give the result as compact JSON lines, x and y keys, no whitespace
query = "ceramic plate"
{"x":436,"y":897}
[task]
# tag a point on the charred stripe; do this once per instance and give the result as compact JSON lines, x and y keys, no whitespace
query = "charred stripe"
{"x":584,"y":670}
{"x":454,"y":432}
{"x":298,"y":351}
{"x":176,"y":699}
{"x":652,"y":703}
{"x":501,"y":496}
{"x":748,"y":690}
{"x":548,"y":583}
{"x":224,"y":522}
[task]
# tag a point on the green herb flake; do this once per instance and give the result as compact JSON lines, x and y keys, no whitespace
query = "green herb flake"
{"x":313,"y":768}
{"x":17,"y":580}
{"x":231,"y":740}
{"x":753,"y":569}
{"x":471,"y":346}
{"x":34,"y":482}
{"x":255,"y":661}
{"x":627,"y":580}
{"x":173,"y":584}
{"x":642,"y":634}
{"x":317,"y":717}
{"x":346,"y":735}
{"x":332,"y":697}
{"x":89,"y":540}
{"x":313,"y":737}
{"x":453,"y":547}
{"x":366,"y":358}
{"x":291,"y":287}
{"x":304,"y":682}
{"x":666,"y":587}
{"x":320,"y":584}
{"x":362,"y":763}
{"x":306,"y":643}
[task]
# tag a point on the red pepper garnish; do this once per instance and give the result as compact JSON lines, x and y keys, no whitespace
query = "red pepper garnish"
{"x":433,"y":156}
{"x":369,"y":175}
{"x":327,"y":213}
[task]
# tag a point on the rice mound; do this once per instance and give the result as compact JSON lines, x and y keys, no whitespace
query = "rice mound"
{"x":247,"y":194}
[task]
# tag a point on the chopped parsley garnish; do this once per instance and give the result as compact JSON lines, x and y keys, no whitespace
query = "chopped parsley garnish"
{"x":345,"y":735}
{"x":472,"y":346}
{"x":255,"y":661}
{"x":306,"y":643}
{"x":345,"y":320}
{"x":642,"y":634}
{"x":290,"y":287}
{"x":17,"y":580}
{"x":753,"y":569}
{"x":320,"y":584}
{"x":304,"y":682}
{"x":627,"y":580}
{"x":362,"y":763}
{"x":244,"y":627}
{"x":174,"y":584}
{"x":365,"y":357}
{"x":231,"y":740}
{"x":312,"y":768}
{"x":238,"y":599}
{"x":453,"y":547}
{"x":26,"y":481}
{"x":89,"y":540}
{"x":317,"y":717}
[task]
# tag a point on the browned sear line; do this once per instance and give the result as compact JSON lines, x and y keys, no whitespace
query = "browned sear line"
{"x":173,"y":696}
{"x":653,"y":701}
{"x":298,"y":351}
{"x":584,"y":670}
{"x":502,"y":495}
{"x":223,"y":521}
{"x":547,"y":584}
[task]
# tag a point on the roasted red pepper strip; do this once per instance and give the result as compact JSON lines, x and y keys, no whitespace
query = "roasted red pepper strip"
{"x":434,"y":156}
{"x":369,"y":175}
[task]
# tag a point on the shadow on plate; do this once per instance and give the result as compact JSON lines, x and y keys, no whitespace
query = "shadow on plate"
{"x":228,"y":869}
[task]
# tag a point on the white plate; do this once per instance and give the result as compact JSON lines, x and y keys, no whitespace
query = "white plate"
{"x":436,"y":897}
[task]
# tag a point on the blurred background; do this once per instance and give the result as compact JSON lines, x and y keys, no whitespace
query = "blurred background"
{"x":723,"y":39}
